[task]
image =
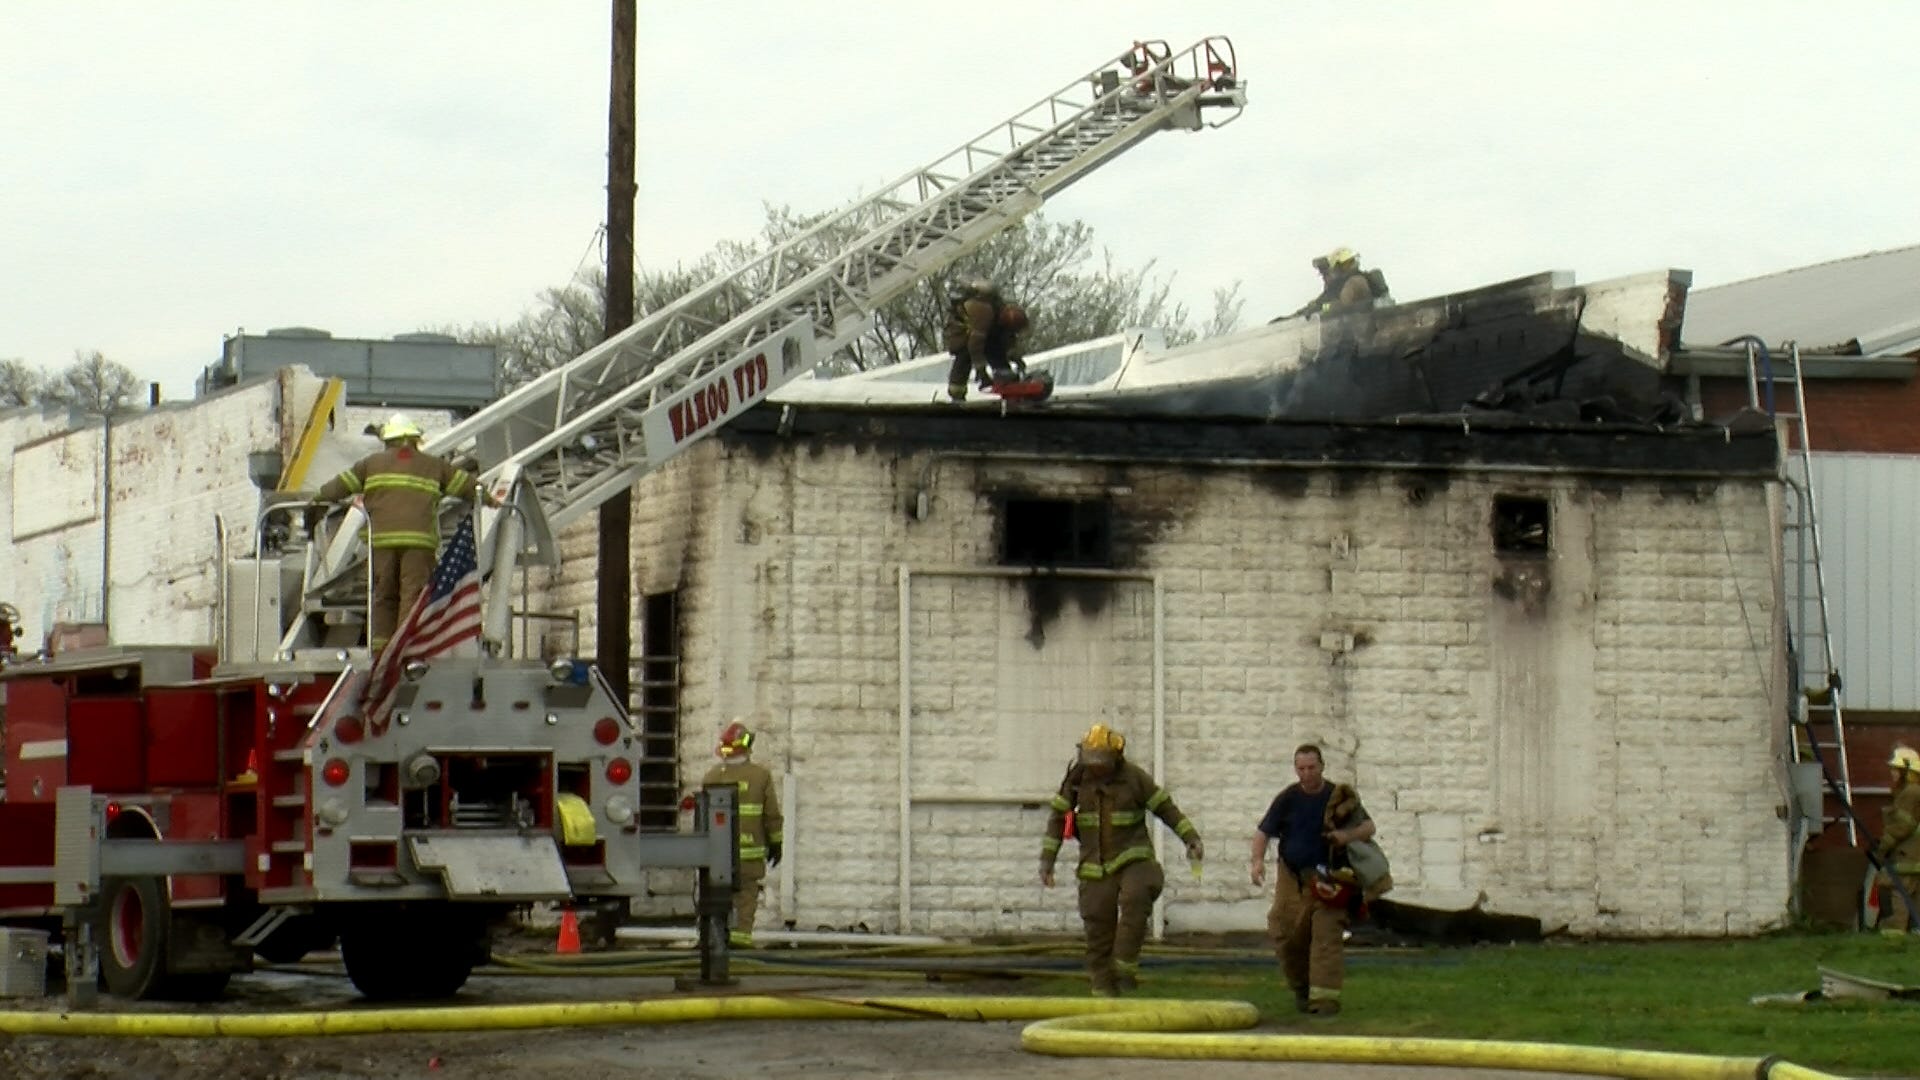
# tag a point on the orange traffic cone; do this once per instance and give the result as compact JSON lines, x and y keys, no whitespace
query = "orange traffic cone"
{"x":252,"y":774}
{"x":569,"y":942}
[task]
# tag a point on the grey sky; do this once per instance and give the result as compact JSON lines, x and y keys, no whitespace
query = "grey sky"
{"x":172,"y":172}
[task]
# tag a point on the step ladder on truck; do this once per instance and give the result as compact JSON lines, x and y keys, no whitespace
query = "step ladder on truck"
{"x":174,"y":813}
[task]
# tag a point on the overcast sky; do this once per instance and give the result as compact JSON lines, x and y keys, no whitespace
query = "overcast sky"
{"x":171,"y":173}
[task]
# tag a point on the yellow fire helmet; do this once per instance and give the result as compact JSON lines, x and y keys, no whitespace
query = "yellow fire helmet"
{"x":399,"y":426}
{"x":1906,"y":759}
{"x":1340,"y":256}
{"x":1102,"y":737}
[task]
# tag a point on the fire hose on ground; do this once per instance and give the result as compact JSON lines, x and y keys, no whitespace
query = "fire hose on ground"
{"x":1065,"y":1027}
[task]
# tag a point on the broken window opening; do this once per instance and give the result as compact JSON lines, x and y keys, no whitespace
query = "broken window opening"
{"x":1522,"y":525}
{"x":655,"y":702}
{"x":1057,"y":532}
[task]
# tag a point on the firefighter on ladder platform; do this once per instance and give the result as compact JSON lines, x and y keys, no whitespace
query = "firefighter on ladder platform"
{"x":400,"y":488}
{"x":761,"y":824}
{"x":1109,"y":802}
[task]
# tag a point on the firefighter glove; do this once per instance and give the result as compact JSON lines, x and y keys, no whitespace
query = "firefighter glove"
{"x":773,"y":854}
{"x":1046,"y":869}
{"x":313,"y":516}
{"x":1194,"y":848}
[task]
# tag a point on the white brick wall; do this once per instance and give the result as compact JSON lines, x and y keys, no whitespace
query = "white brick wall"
{"x":1603,"y":759}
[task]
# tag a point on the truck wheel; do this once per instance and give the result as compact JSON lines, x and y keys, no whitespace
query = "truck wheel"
{"x":408,"y":954}
{"x":133,"y":945}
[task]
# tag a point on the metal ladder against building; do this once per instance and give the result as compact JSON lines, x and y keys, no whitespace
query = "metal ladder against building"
{"x":1818,"y":716}
{"x":587,"y":430}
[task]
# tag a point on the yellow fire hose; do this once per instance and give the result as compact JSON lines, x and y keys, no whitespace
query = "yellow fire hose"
{"x":1076,"y":1027}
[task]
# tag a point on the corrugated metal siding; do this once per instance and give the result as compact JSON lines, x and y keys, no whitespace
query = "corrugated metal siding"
{"x":1869,"y":517}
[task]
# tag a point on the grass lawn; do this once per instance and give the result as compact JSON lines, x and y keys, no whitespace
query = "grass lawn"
{"x":1691,"y":996}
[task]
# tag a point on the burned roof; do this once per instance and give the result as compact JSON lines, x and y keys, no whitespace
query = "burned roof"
{"x":1068,"y":432}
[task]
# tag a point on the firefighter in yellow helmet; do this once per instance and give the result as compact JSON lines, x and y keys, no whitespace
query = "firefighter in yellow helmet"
{"x":1110,"y":799}
{"x":761,"y":823}
{"x":1898,"y":851}
{"x":1344,"y":286}
{"x":400,"y":487}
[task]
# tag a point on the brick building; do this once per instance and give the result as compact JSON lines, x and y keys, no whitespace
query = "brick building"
{"x":1857,"y":324}
{"x":1522,"y":641}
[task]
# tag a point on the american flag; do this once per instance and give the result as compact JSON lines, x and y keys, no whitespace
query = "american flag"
{"x":445,"y":617}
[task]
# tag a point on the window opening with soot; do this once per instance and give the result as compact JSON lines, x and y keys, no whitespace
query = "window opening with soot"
{"x":1057,"y":532}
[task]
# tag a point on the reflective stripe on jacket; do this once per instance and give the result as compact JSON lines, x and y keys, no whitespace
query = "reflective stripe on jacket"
{"x":1900,"y":825}
{"x":401,"y":489}
{"x":761,"y":822}
{"x":1110,"y":819}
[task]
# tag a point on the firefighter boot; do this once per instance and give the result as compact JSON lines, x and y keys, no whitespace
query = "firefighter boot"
{"x":1126,"y":977}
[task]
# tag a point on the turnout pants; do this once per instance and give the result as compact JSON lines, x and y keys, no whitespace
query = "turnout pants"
{"x":1307,"y":938}
{"x":1114,"y":909}
{"x":1893,"y":912}
{"x":399,"y":575}
{"x":746,"y":895}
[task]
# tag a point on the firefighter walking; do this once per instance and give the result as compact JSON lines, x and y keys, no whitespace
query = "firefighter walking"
{"x":761,"y":824}
{"x":1315,"y":891}
{"x":1109,"y":800}
{"x":1898,"y":851}
{"x":400,"y":487}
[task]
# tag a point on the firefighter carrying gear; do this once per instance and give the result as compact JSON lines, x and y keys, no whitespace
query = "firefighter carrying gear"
{"x":762,"y":826}
{"x":1108,"y":800}
{"x":400,"y":488}
{"x":1898,"y":851}
{"x":1308,"y":921}
{"x":981,"y":333}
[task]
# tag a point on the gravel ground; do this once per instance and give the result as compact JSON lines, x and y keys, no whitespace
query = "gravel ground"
{"x":696,"y":1051}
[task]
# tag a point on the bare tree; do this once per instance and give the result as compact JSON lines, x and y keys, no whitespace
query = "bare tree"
{"x":94,"y":384}
{"x":1050,"y":269}
{"x":20,"y":384}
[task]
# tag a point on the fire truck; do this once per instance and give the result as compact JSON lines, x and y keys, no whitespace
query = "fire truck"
{"x":173,"y":813}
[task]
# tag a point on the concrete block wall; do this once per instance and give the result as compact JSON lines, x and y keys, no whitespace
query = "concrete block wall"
{"x":1553,"y":732}
{"x":180,"y":488}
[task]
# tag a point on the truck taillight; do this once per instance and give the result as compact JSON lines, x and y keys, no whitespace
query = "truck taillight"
{"x":349,"y":729}
{"x":619,"y":771}
{"x":606,"y":731}
{"x":335,"y":772}
{"x":113,"y":812}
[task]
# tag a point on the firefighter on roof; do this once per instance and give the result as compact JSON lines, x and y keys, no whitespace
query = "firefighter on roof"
{"x":1110,"y":800}
{"x":761,"y":823}
{"x":400,"y":488}
{"x":1344,"y":286}
{"x":982,"y":333}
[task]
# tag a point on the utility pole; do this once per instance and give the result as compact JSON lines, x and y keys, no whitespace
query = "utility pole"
{"x":614,"y":595}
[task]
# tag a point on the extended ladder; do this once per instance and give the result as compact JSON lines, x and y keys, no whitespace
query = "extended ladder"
{"x":1818,"y":718}
{"x":587,"y":430}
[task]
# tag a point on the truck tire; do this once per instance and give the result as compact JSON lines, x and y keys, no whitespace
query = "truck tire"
{"x":409,"y":953}
{"x":138,"y":932}
{"x":133,"y":941}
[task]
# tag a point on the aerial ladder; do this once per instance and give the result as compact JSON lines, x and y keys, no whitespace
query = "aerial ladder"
{"x":561,"y":444}
{"x":278,"y":808}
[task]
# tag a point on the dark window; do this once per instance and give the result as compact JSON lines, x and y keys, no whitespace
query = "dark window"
{"x":1522,"y":525}
{"x":1057,"y":532}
